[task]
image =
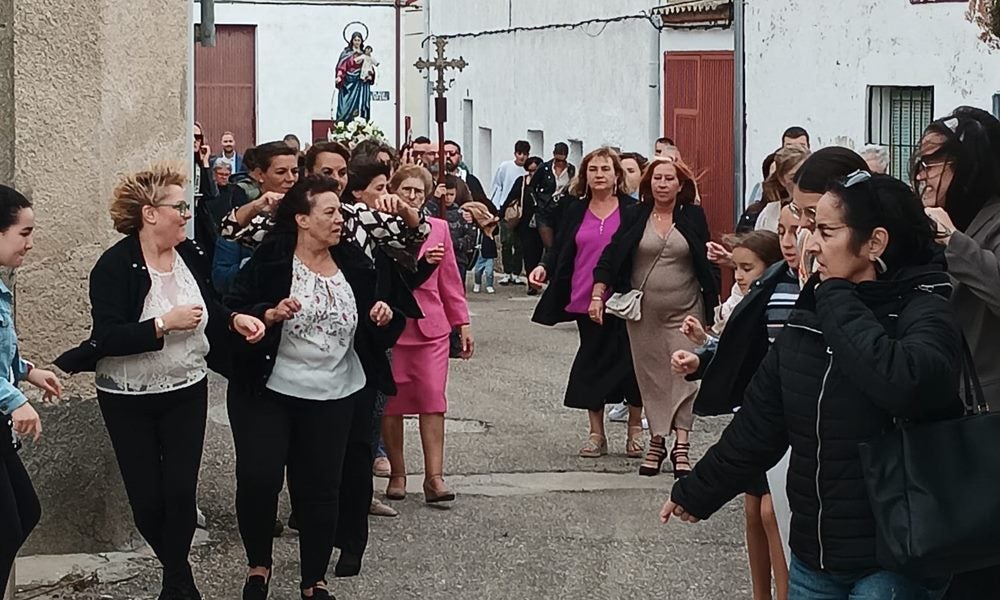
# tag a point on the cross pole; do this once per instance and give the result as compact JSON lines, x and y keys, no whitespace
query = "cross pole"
{"x":440,"y":64}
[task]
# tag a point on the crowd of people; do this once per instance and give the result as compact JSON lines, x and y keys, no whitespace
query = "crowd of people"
{"x":328,"y":286}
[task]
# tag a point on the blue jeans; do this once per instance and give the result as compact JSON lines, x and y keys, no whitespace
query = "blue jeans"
{"x":484,"y":265}
{"x":808,"y":584}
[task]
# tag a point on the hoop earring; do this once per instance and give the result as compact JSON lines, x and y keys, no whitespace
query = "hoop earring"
{"x":880,"y":266}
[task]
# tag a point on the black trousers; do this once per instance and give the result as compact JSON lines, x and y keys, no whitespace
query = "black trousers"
{"x":531,"y":247}
{"x":158,"y":441}
{"x":19,"y":507}
{"x":975,"y":585}
{"x":326,"y":446}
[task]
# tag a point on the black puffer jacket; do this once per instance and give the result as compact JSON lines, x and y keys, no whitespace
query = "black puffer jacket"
{"x":849,"y":361}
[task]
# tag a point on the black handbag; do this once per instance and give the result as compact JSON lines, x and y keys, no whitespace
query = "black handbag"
{"x":935,"y":489}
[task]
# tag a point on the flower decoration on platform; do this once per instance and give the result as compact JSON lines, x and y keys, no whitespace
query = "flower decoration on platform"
{"x":986,"y":14}
{"x":355,"y":131}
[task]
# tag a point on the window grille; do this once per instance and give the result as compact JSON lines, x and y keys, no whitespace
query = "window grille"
{"x":897,"y":117}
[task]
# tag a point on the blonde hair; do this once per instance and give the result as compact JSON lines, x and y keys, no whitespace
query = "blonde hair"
{"x":581,"y":189}
{"x":145,"y":188}
{"x":786,"y":160}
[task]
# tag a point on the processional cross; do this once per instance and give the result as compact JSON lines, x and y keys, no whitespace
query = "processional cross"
{"x":440,"y":64}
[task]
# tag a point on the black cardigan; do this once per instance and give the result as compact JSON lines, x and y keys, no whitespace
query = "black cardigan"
{"x":614,"y":269}
{"x":558,"y":260}
{"x":266,"y":280}
{"x":119,"y":284}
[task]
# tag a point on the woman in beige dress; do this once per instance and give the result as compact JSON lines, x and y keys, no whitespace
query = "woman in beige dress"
{"x":660,"y":250}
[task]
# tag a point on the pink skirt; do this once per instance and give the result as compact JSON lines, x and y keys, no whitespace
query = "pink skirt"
{"x":420,"y":369}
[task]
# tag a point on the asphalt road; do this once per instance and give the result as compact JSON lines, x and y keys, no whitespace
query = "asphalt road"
{"x":532,"y":520}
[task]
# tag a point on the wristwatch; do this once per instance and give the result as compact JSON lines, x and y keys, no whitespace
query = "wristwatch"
{"x":158,"y":321}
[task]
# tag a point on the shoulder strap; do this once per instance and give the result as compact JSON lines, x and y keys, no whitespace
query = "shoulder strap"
{"x":657,"y":259}
{"x":972,"y":394}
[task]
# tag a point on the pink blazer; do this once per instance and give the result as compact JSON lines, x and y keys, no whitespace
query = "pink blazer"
{"x":442,"y":296}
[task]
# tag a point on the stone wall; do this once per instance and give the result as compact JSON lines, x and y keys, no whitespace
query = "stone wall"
{"x":89,"y":89}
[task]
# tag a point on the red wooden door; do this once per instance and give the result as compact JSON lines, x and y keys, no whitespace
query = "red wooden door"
{"x":698,"y":116}
{"x":225,"y":88}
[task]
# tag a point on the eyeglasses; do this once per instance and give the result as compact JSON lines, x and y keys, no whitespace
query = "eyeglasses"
{"x":855,"y":178}
{"x":924,"y":166}
{"x":797,"y":212}
{"x":181,"y":207}
{"x":199,"y":137}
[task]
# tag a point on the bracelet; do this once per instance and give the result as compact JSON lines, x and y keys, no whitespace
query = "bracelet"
{"x":601,"y":298}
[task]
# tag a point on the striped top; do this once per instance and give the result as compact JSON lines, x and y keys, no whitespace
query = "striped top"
{"x":781,"y":303}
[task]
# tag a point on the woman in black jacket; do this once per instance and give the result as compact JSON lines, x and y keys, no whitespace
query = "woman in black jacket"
{"x":157,"y":330}
{"x":871,"y":341}
{"x":660,"y":250}
{"x":303,"y":398}
{"x":526,"y":228}
{"x":602,"y":371}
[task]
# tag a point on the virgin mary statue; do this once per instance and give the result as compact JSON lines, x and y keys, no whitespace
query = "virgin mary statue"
{"x":354,"y":92}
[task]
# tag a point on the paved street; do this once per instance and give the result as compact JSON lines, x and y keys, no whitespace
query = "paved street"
{"x":532,"y":520}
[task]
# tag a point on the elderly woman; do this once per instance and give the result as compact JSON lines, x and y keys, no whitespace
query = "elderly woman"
{"x":420,"y":357}
{"x":157,"y":330}
{"x":602,"y":372}
{"x":19,"y":508}
{"x":305,"y":395}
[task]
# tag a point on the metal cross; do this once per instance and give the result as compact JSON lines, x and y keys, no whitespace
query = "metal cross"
{"x":440,"y":64}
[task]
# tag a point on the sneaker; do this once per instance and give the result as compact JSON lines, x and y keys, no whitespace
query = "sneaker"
{"x":505,"y":280}
{"x":490,"y":289}
{"x":201,"y":522}
{"x":618,"y":413}
{"x":476,"y":289}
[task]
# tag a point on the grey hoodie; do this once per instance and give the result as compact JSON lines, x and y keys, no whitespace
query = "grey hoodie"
{"x":974,"y":265}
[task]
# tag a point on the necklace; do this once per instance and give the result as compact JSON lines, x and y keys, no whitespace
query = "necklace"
{"x":658,"y":216}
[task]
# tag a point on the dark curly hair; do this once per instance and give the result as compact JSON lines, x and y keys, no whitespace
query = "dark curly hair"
{"x":299,"y":201}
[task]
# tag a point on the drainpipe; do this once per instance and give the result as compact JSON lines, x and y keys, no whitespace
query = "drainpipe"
{"x":206,"y":29}
{"x":399,"y":67}
{"x":656,"y":87}
{"x":739,"y":109}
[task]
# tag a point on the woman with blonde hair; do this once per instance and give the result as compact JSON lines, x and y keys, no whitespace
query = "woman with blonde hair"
{"x":660,"y":251}
{"x":157,"y":330}
{"x":778,"y":186}
{"x":602,"y":371}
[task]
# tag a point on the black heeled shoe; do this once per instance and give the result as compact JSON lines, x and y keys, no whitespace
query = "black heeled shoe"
{"x":256,"y":588}
{"x":657,"y":453}
{"x":679,"y":451}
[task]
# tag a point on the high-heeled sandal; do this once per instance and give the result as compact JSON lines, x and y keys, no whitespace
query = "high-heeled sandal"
{"x":634,"y":447}
{"x":432,"y":496}
{"x":396,"y":492}
{"x":596,"y":446}
{"x":680,"y":451}
{"x":657,"y":453}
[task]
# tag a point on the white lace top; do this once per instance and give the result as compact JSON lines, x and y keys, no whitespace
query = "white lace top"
{"x":316,"y":358}
{"x":181,"y":362}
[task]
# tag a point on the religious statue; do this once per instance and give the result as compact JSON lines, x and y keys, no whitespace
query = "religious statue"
{"x":355,"y":76}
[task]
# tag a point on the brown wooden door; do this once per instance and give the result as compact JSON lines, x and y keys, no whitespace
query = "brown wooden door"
{"x":698,"y":116}
{"x":225,"y":89}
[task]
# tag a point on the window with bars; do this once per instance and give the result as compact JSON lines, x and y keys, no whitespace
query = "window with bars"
{"x":897,"y":117}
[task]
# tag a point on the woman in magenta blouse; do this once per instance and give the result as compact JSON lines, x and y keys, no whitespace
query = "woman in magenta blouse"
{"x":602,"y":372}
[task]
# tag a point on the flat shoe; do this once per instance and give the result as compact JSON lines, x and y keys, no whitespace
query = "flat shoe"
{"x":396,"y":492}
{"x":379,"y":509}
{"x":381,"y":467}
{"x":595,"y":447}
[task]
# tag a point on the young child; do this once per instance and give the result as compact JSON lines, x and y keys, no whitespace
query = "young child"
{"x":752,"y":254}
{"x":486,"y":255}
{"x":368,"y":65}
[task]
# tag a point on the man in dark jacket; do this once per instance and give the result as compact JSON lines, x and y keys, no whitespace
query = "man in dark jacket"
{"x":548,"y":184}
{"x":453,"y":163}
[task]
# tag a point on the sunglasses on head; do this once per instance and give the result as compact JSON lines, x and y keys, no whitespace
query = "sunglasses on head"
{"x":855,"y":178}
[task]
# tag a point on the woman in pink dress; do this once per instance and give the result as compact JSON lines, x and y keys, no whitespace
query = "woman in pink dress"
{"x":420,"y":357}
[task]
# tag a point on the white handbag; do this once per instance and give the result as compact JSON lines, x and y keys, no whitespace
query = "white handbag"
{"x":628,"y":306}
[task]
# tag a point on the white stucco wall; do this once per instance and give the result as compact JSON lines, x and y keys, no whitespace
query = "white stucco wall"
{"x":297,"y":50}
{"x":810,"y":63}
{"x":597,"y":84}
